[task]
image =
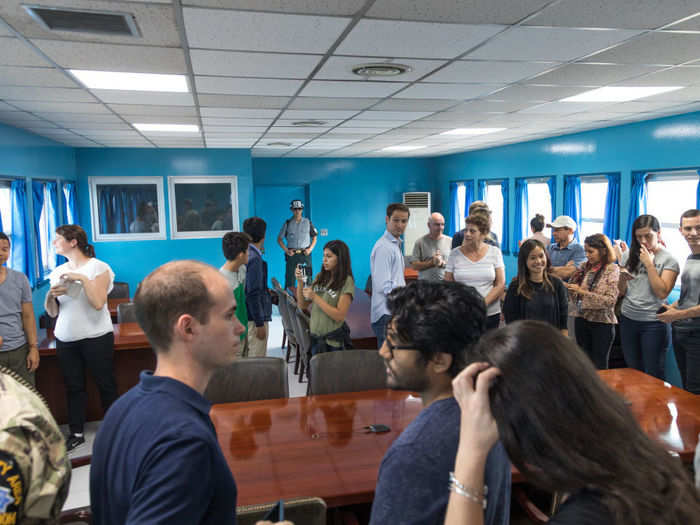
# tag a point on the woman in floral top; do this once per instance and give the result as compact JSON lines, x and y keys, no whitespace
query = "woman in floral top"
{"x":593,"y":293}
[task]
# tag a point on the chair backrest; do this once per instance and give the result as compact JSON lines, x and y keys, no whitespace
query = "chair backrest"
{"x":120,"y":290}
{"x":287,"y":322}
{"x":302,"y":511}
{"x":303,"y":333}
{"x":126,"y":313}
{"x":249,"y":379}
{"x":347,"y":371}
{"x":276,"y":284}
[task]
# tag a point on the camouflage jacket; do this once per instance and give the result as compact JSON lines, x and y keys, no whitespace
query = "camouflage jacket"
{"x":34,"y":466}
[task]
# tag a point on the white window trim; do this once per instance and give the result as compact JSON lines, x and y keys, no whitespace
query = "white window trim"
{"x":199,"y":179}
{"x":116,"y":237}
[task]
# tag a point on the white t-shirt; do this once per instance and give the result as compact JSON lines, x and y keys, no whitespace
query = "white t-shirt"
{"x":480,"y":274}
{"x":76,"y":318}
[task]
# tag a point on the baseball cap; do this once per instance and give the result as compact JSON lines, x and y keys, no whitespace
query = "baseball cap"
{"x":563,"y":221}
{"x":296,"y":205}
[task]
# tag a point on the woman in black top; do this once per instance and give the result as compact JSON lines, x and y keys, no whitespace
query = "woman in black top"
{"x":565,"y":430}
{"x":535,"y":293}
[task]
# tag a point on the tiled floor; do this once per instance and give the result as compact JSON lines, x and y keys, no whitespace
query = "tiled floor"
{"x":79,"y":493}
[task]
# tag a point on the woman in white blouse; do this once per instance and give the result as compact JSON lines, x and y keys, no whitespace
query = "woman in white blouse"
{"x":480,"y":265}
{"x":84,"y":332}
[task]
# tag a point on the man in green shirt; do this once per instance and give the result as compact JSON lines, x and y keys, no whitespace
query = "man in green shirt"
{"x":235,"y":248}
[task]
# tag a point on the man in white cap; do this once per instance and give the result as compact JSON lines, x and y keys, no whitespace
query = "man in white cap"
{"x":300,"y":235}
{"x":566,"y":254}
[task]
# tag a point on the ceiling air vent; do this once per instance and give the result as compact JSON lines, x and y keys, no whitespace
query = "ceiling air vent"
{"x":112,"y":23}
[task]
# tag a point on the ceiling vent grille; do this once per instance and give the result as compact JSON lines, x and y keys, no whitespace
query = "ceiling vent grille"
{"x":111,"y":23}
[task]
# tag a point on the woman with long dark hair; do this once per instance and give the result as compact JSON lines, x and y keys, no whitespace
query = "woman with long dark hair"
{"x":331,"y":293}
{"x":593,"y":293}
{"x":565,"y":431}
{"x":534,"y":293}
{"x":84,"y":332}
{"x":648,"y":276}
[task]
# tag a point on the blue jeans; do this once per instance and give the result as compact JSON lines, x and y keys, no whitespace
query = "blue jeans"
{"x":644,"y":345}
{"x":686,"y":345}
{"x":379,"y":329}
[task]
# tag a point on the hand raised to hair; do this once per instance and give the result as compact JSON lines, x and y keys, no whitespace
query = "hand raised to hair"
{"x":478,"y":429}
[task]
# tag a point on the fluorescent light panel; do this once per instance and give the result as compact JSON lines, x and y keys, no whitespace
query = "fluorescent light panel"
{"x":402,"y":148}
{"x":619,"y":93}
{"x":177,"y":128}
{"x":471,"y":131}
{"x":131,"y":81}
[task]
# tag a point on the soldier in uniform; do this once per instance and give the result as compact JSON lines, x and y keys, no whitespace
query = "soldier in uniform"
{"x":301,"y":239}
{"x":34,"y":467}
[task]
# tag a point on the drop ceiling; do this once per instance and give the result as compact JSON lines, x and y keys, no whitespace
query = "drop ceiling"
{"x":257,"y":67}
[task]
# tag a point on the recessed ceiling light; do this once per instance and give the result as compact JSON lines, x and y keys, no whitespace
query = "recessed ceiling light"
{"x":471,"y":131}
{"x":402,"y":148}
{"x":380,"y":69}
{"x":177,"y":128}
{"x":131,"y":81}
{"x":619,"y":93}
{"x":309,"y":123}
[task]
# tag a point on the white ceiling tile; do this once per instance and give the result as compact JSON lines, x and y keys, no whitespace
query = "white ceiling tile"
{"x":637,"y":106}
{"x":472,"y":12}
{"x":247,"y":86}
{"x":235,"y":129}
{"x":367,"y":132}
{"x":329,"y":88}
{"x":535,"y":93}
{"x":449,"y":91}
{"x":488,"y":105}
{"x":320,"y":114}
{"x":114,"y":57}
{"x":677,"y":76}
{"x":340,"y":68}
{"x":223,"y":113}
{"x":60,"y":107}
{"x":593,"y":75}
{"x":239,"y":122}
{"x":332,"y":103}
{"x":243,"y":101}
{"x":290,"y":122}
{"x":71,"y":118}
{"x":491,"y":71}
{"x":356,"y":123}
{"x":653,"y":48}
{"x":632,"y":14}
{"x":43,"y":93}
{"x":689,"y":94}
{"x":82,"y":127}
{"x":16,"y":53}
{"x":293,"y":141}
{"x":140,"y":109}
{"x":254,"y":31}
{"x":382,"y":38}
{"x":548,"y":43}
{"x":232,"y":135}
{"x":34,"y":76}
{"x":563,"y":108}
{"x":161,"y":119}
{"x":688,"y":24}
{"x":156,"y":98}
{"x":312,"y":7}
{"x":268,"y":65}
{"x":296,"y":130}
{"x":216,"y":122}
{"x":415,"y":104}
{"x":392,"y":115}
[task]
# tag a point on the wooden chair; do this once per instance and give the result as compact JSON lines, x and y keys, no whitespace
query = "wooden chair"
{"x":120,"y":290}
{"x":126,"y":313}
{"x":302,"y":511}
{"x":347,"y":371}
{"x":249,"y":379}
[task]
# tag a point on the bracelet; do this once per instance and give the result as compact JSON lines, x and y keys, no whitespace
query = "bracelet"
{"x":471,"y":494}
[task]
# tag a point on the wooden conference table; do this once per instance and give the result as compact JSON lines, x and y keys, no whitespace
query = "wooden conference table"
{"x":316,"y":445}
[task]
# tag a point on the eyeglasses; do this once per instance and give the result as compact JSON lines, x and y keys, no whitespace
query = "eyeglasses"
{"x":391,"y":346}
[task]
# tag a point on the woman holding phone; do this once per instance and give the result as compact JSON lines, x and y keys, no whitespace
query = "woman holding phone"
{"x":84,"y":332}
{"x":648,"y":274}
{"x":331,"y":294}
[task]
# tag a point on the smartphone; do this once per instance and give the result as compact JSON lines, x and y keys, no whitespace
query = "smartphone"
{"x":377,"y":428}
{"x":662,"y":309}
{"x":276,"y":513}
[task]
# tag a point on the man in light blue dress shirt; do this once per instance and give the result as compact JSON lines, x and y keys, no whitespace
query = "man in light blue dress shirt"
{"x":387,"y":266}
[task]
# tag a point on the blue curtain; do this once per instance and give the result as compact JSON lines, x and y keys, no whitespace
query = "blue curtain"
{"x":506,"y":212}
{"x":119,"y":207}
{"x":455,"y":219}
{"x":638,"y":200}
{"x":21,"y":259}
{"x":611,"y":224}
{"x":572,"y":201}
{"x":697,"y":196}
{"x":481,"y":190}
{"x":70,"y":208}
{"x":520,"y":230}
{"x":468,"y":198}
{"x":38,"y":203}
{"x":51,"y":220}
{"x":1,"y":223}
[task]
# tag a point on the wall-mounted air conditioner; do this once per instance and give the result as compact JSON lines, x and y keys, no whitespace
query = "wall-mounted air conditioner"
{"x":419,"y":204}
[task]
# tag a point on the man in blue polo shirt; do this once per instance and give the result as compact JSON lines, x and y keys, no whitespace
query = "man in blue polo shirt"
{"x":156,"y":457}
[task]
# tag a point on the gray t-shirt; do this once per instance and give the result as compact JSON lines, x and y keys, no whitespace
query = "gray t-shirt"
{"x":640,"y":302}
{"x":425,"y":247}
{"x":690,"y":290}
{"x":298,"y":234}
{"x":13,"y":292}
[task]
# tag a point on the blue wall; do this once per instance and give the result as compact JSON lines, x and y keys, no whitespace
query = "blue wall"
{"x":661,"y":144}
{"x":348,"y":197}
{"x":133,"y":260}
{"x":23,"y":154}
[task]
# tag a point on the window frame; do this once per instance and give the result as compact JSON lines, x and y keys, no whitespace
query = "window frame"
{"x":544,"y":179}
{"x":93,"y":182}
{"x":497,"y":184}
